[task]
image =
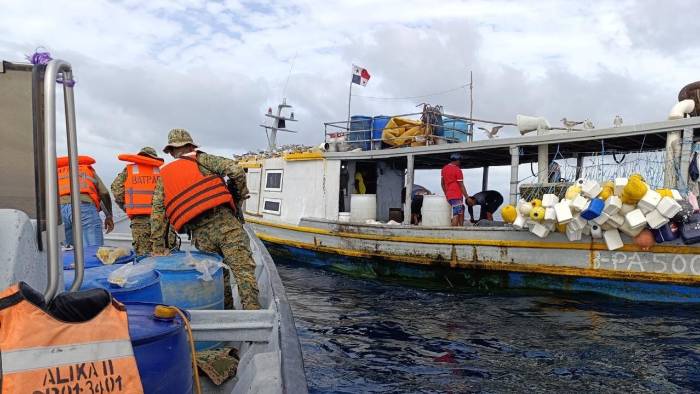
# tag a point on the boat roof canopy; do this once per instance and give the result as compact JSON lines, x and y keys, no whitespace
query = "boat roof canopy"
{"x":496,"y":152}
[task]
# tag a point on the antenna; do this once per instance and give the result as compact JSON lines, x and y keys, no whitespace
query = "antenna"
{"x":289,"y":75}
{"x":279,"y":123}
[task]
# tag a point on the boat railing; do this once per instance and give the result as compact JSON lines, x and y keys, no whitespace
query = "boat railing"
{"x":60,"y":71}
{"x":382,"y":132}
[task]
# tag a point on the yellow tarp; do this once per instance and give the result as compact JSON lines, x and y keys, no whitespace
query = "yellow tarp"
{"x":400,"y":131}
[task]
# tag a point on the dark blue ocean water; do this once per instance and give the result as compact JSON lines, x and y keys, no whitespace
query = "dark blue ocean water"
{"x":362,"y":335}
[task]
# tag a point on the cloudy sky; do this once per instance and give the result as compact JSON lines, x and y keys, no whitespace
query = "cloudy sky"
{"x":214,"y":67}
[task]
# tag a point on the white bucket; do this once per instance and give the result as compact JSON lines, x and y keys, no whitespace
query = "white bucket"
{"x":344,"y":217}
{"x":436,"y":211}
{"x":363,"y":207}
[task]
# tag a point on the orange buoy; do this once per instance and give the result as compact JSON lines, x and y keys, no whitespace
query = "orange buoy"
{"x":645,"y":239}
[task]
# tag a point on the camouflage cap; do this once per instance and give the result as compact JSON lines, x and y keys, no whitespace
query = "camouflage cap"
{"x":148,"y":151}
{"x":178,"y":138}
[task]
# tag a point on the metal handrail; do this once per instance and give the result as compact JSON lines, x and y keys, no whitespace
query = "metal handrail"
{"x":53,"y":68}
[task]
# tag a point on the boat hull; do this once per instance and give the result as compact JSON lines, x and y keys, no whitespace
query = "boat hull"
{"x":483,"y":258}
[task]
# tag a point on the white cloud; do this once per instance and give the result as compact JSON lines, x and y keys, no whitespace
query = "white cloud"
{"x":214,"y":67}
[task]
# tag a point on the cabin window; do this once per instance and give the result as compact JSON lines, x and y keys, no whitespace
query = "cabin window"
{"x":272,"y":205}
{"x":273,"y":180}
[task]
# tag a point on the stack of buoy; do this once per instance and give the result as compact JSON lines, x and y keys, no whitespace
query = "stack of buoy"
{"x":602,"y":211}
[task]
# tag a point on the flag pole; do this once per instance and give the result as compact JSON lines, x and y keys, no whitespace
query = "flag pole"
{"x":349,"y":100}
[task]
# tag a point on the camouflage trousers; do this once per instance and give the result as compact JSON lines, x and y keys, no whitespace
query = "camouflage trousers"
{"x":218,"y":231}
{"x":141,"y":234}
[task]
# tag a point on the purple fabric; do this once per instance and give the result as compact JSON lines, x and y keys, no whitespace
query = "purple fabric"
{"x":39,"y":58}
{"x":69,"y":82}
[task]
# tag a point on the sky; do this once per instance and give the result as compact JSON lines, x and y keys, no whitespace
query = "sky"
{"x":214,"y":67}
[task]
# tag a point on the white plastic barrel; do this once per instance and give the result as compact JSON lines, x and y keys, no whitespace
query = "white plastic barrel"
{"x":436,"y":211}
{"x":363,"y":207}
{"x":344,"y":217}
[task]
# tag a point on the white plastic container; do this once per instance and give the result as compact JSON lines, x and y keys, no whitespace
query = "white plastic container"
{"x":343,"y":217}
{"x":579,"y":203}
{"x":655,"y":219}
{"x":612,"y":205}
{"x":436,"y":211}
{"x":596,"y":232}
{"x":363,"y":207}
{"x":616,"y":220}
{"x":573,"y":235}
{"x":591,"y":189}
{"x":613,"y":240}
{"x":635,"y":219}
{"x":549,"y":215}
{"x":649,"y":202}
{"x":563,"y":212}
{"x":540,"y":230}
{"x":668,"y":207}
{"x":620,"y":184}
{"x":548,"y":200}
{"x":676,"y":195}
{"x":520,"y":222}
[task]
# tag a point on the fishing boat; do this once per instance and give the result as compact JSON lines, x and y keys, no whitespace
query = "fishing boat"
{"x":304,"y":204}
{"x":268,"y":348}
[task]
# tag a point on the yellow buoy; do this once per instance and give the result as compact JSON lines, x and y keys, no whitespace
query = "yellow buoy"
{"x":572,"y":192}
{"x":537,"y":213}
{"x":606,"y":192}
{"x":561,"y":228}
{"x":536,"y":203}
{"x":634,"y":190}
{"x":509,"y":213}
{"x":665,"y":192}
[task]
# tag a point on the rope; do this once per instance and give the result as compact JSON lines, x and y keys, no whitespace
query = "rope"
{"x":195,"y":371}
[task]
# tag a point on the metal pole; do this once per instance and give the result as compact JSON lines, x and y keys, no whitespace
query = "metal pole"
{"x":542,"y":163}
{"x":672,"y":156}
{"x":471,"y":106}
{"x":685,"y":152}
{"x":579,"y":165}
{"x":349,"y":100}
{"x":51,"y":191}
{"x":514,"y":165}
{"x":409,"y":190}
{"x":485,"y":178}
{"x":72,"y":139}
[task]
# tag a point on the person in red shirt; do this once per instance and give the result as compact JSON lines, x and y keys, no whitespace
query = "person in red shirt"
{"x":453,"y":187}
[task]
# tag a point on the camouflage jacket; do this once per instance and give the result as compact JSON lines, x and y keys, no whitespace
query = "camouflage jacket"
{"x":219,"y":166}
{"x":105,"y":198}
{"x":118,"y":188}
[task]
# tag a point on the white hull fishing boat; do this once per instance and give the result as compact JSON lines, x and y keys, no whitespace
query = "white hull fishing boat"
{"x":30,"y":230}
{"x":303,"y":206}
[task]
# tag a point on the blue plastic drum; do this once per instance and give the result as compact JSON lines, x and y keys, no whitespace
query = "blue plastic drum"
{"x":183,"y":286}
{"x":162,"y":350}
{"x":361,"y":132}
{"x":146,"y":288}
{"x":455,"y":129}
{"x":91,"y":260}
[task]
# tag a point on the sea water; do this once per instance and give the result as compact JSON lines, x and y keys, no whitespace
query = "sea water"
{"x":363,"y":335}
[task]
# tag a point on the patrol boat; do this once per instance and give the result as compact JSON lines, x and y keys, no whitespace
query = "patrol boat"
{"x":304,"y":205}
{"x":266,"y":339}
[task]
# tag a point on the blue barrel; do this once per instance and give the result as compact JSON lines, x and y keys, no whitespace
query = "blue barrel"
{"x":91,"y":260}
{"x":146,"y":288}
{"x":162,"y":350}
{"x":455,"y":129}
{"x":361,"y":132}
{"x":183,"y":287}
{"x":378,"y":125}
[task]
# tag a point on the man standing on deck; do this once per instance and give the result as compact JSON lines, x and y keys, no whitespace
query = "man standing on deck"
{"x":453,"y":187}
{"x":94,"y":197}
{"x":191,"y":196}
{"x":488,"y":201}
{"x":133,"y":192}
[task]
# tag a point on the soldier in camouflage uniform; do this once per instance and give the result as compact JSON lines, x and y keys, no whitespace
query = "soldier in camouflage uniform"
{"x":140,"y":224}
{"x":216,"y":230}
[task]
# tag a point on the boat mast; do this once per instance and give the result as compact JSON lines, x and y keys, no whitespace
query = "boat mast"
{"x":279,"y":123}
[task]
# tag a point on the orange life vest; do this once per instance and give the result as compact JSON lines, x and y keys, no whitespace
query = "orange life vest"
{"x":141,"y":177}
{"x":86,"y":177}
{"x":43,"y":355}
{"x":188,"y":193}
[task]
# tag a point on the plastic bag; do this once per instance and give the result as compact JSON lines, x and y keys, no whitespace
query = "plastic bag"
{"x":130,"y":273}
{"x":108,"y":255}
{"x":207,"y":267}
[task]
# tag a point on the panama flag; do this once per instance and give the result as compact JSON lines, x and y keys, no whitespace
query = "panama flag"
{"x":360,"y":75}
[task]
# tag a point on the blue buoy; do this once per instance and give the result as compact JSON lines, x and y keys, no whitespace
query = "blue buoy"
{"x":183,"y":286}
{"x":146,"y":288}
{"x":162,"y":350}
{"x":91,"y":260}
